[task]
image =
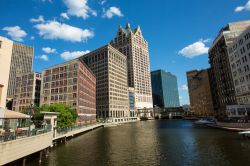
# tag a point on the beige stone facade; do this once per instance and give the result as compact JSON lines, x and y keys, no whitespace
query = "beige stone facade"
{"x":27,"y":91}
{"x":132,"y":44}
{"x":239,"y":58}
{"x":110,"y":69}
{"x":6,"y":46}
{"x":71,"y":83}
{"x":201,"y":102}
{"x":21,"y":62}
{"x":222,"y":81}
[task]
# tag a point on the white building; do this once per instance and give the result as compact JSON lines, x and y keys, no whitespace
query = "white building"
{"x":239,"y":58}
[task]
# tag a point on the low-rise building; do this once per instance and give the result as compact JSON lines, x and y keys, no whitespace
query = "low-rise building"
{"x":200,"y":95}
{"x":71,"y":83}
{"x":27,"y":91}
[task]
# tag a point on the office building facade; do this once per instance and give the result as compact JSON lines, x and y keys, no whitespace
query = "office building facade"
{"x":6,"y":46}
{"x":110,"y":69}
{"x":221,"y":78}
{"x":131,"y":96}
{"x":21,"y":62}
{"x":71,"y":83}
{"x":27,"y":91}
{"x":131,"y":43}
{"x":200,"y":94}
{"x":239,"y":58}
{"x":164,"y":89}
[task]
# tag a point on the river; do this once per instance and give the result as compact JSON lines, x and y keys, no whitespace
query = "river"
{"x":148,"y":143}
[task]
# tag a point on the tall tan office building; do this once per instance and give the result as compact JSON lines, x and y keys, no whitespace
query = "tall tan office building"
{"x":110,"y":68}
{"x":132,"y":44}
{"x":6,"y":46}
{"x":27,"y":91}
{"x":21,"y":62}
{"x":221,"y":77}
{"x":200,"y":94}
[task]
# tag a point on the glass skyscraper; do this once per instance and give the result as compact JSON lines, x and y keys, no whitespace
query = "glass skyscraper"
{"x":164,"y":89}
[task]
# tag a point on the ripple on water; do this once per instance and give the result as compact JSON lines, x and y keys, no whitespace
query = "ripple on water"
{"x":163,"y":142}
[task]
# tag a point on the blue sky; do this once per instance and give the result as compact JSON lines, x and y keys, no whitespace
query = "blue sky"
{"x":179,"y":32}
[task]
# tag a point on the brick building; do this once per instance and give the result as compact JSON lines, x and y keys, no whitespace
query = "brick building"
{"x":27,"y":91}
{"x":200,"y":95}
{"x":71,"y":83}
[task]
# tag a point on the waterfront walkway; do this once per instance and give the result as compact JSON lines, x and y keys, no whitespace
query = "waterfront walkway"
{"x":21,"y":147}
{"x":76,"y":130}
{"x":12,"y":150}
{"x":231,"y":126}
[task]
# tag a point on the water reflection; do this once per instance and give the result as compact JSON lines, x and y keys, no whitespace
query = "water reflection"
{"x":172,"y":142}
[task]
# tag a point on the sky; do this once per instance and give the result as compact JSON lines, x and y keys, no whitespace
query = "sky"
{"x":179,"y":32}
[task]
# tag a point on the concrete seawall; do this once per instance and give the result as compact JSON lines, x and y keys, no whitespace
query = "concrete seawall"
{"x":19,"y":148}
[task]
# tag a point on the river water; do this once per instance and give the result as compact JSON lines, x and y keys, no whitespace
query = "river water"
{"x":149,"y":143}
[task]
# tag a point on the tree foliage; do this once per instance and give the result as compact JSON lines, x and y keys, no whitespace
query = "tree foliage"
{"x":67,"y":116}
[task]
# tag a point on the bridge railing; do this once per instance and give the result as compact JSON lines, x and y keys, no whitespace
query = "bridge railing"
{"x":9,"y":135}
{"x":62,"y":131}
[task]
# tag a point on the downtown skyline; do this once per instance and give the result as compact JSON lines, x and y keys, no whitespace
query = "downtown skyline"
{"x":178,"y":41}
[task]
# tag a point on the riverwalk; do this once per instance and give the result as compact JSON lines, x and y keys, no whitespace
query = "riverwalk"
{"x":20,"y":147}
{"x":77,"y":130}
{"x":237,"y":127}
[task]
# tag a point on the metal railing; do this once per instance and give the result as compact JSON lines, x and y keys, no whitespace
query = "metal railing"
{"x":9,"y":135}
{"x":62,"y":131}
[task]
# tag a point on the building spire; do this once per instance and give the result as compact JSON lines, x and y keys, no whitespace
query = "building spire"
{"x":127,"y":26}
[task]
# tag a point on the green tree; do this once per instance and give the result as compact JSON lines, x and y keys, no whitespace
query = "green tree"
{"x":67,"y":116}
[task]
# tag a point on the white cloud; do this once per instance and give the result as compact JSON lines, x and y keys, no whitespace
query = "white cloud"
{"x":102,"y":2}
{"x":48,"y":50}
{"x":72,"y":55}
{"x":55,"y":30}
{"x":32,"y":37}
{"x":15,"y":32}
{"x":64,"y":15}
{"x":112,"y":11}
{"x":184,"y":87}
{"x":39,"y":19}
{"x":79,"y":8}
{"x":196,"y":49}
{"x":241,"y":8}
{"x":43,"y":57}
